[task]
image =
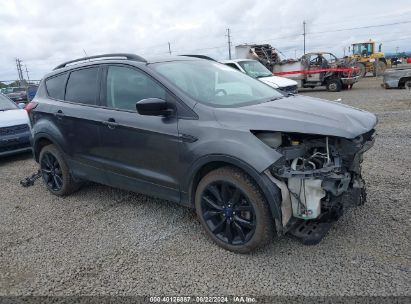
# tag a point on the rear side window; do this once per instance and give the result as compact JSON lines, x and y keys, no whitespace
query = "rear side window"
{"x":55,"y":86}
{"x":82,"y":86}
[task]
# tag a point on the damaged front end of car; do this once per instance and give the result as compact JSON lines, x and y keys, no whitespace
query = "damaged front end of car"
{"x":319,"y":177}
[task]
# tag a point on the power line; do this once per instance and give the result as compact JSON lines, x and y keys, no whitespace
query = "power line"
{"x":361,"y":27}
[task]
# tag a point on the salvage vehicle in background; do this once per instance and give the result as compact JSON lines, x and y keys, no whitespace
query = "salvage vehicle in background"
{"x":14,"y":127}
{"x":397,"y":78}
{"x":319,"y":69}
{"x":255,"y":69}
{"x":17,"y":94}
{"x":252,"y":161}
{"x":310,"y":71}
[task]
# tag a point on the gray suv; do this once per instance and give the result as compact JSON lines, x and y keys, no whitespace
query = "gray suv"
{"x":250,"y":160}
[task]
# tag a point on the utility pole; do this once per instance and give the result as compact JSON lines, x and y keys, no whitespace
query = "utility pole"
{"x":19,"y":70}
{"x":229,"y":43}
{"x":169,"y":47}
{"x":304,"y":34}
{"x":27,"y":73}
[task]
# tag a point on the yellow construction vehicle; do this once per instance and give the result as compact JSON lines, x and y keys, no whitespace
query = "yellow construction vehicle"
{"x":368,"y":59}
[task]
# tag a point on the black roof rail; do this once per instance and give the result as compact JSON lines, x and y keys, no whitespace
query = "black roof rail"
{"x":125,"y":55}
{"x":199,"y":56}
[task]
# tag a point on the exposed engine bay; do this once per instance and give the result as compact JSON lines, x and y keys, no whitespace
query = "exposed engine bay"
{"x":317,"y":175}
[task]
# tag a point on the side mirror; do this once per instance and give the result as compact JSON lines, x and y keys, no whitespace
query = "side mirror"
{"x":153,"y":107}
{"x":21,"y":105}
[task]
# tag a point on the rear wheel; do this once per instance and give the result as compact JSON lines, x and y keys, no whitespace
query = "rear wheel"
{"x":55,"y":172}
{"x":233,"y":211}
{"x":407,"y":84}
{"x":381,"y":67}
{"x":334,"y":85}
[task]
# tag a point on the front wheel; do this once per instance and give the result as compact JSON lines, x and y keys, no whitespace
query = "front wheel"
{"x":55,"y":172}
{"x":233,"y":211}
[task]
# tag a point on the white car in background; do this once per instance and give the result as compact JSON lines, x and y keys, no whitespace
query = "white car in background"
{"x":255,"y":69}
{"x":15,"y":133}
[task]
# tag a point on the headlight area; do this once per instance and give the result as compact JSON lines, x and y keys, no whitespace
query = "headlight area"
{"x":318,"y":176}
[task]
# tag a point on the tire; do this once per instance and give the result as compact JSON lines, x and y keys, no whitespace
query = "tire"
{"x":363,"y":70}
{"x":55,"y":172}
{"x":334,"y":85}
{"x":407,"y":84}
{"x":381,"y":67}
{"x":240,"y":207}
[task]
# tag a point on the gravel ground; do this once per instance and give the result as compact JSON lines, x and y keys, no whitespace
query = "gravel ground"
{"x":106,"y":241}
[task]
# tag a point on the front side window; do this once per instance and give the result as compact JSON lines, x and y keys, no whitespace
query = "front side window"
{"x":255,"y":69}
{"x":233,"y":65}
{"x":126,"y":86}
{"x":82,"y":86}
{"x":215,"y":84}
{"x":55,"y":86}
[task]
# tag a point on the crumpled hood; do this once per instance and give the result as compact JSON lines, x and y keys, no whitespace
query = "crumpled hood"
{"x":299,"y":114}
{"x":278,"y":82}
{"x":13,"y":117}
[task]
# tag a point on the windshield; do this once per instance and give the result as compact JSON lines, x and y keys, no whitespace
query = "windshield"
{"x":216,"y":84}
{"x":18,"y":90}
{"x":255,"y":69}
{"x":6,"y":104}
{"x":362,"y":49}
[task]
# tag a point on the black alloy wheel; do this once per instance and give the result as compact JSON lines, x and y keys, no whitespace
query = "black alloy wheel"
{"x":233,"y":210}
{"x":228,"y":213}
{"x":55,"y":172}
{"x":51,"y":172}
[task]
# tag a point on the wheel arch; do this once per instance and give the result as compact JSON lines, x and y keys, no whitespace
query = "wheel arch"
{"x":402,"y":81}
{"x":40,"y":141}
{"x":208,"y":163}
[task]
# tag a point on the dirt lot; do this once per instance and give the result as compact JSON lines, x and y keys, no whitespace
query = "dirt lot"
{"x":105,"y":241}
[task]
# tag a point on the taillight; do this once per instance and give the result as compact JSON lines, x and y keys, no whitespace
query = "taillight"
{"x":30,"y":106}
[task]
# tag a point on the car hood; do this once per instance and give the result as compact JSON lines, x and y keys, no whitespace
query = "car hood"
{"x":13,"y":117}
{"x":299,"y":114}
{"x":276,"y":81}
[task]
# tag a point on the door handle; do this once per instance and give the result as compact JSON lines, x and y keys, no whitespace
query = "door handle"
{"x":110,"y":123}
{"x":59,"y":114}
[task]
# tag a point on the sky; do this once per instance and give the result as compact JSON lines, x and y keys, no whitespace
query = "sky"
{"x":44,"y":33}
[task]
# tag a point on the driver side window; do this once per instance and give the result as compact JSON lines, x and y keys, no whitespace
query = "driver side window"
{"x":126,"y":86}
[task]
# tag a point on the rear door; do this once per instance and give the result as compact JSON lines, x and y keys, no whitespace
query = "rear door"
{"x":77,"y":120}
{"x":140,"y":152}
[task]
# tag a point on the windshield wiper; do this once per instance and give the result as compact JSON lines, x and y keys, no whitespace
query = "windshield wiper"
{"x":261,"y":76}
{"x":275,"y":98}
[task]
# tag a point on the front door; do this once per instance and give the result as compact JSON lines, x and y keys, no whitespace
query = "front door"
{"x":140,"y":153}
